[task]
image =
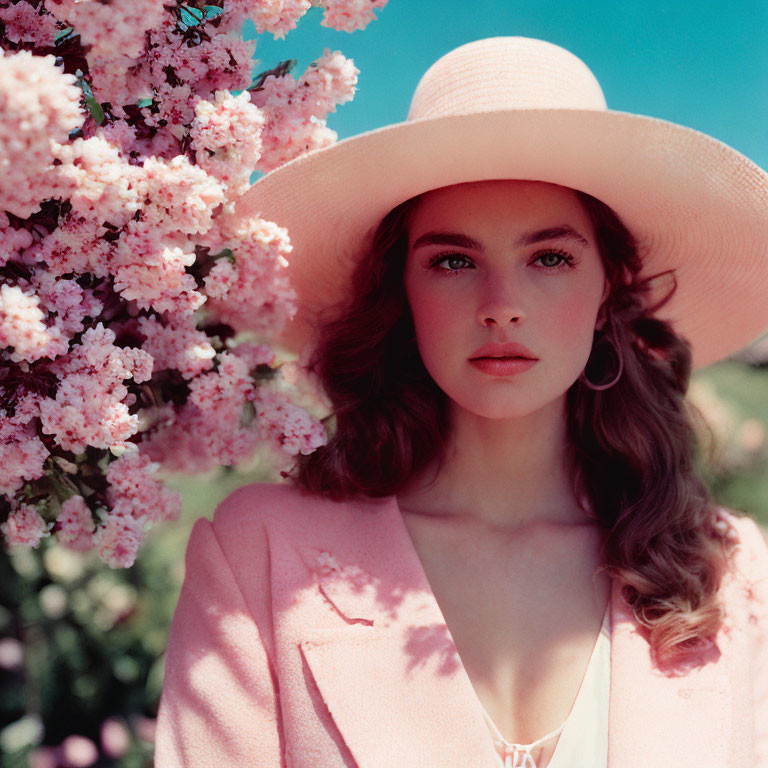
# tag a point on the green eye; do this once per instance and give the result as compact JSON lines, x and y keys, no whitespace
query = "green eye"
{"x":440,"y":258}
{"x":564,"y":260}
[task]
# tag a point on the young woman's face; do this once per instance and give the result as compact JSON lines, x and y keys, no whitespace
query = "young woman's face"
{"x":519,"y":281}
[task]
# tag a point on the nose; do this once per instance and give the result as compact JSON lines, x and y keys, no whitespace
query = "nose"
{"x":500,"y":303}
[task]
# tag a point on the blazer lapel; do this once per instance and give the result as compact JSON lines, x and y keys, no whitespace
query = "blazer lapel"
{"x":382,"y":656}
{"x":387,"y":668}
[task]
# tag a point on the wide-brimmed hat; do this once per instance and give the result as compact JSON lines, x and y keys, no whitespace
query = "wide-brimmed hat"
{"x":521,"y":108}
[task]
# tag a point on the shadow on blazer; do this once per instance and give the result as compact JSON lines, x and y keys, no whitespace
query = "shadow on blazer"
{"x":306,"y":635}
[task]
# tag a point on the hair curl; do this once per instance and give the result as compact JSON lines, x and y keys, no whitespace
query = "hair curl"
{"x":631,"y":448}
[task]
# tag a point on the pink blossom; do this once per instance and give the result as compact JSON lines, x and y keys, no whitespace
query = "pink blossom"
{"x":348,"y":15}
{"x":115,"y":737}
{"x":115,"y":132}
{"x":163,"y":144}
{"x":223,"y":390}
{"x":84,"y":413}
{"x":208,"y":431}
{"x":78,"y":752}
{"x":103,"y":186}
{"x":23,"y":23}
{"x":144,"y":727}
{"x":22,"y":453}
{"x":222,"y":63}
{"x":152,"y":273}
{"x":132,"y":485}
{"x":76,"y":526}
{"x":25,"y":527}
{"x":12,"y":654}
{"x":177,"y":344}
{"x":220,"y":279}
{"x":89,"y":407}
{"x":290,"y":137}
{"x":328,"y":81}
{"x":67,"y":299}
{"x":39,"y":106}
{"x":286,"y":425}
{"x":274,"y":16}
{"x":11,"y":240}
{"x":254,"y":354}
{"x":226,"y":136}
{"x":181,"y":197}
{"x":175,"y":106}
{"x":97,"y":355}
{"x":295,"y":110}
{"x":119,"y":79}
{"x":137,"y":210}
{"x":116,"y":26}
{"x":76,"y":245}
{"x":22,"y":327}
{"x":199,"y":441}
{"x":254,"y":293}
{"x":119,"y":538}
{"x":153,"y":418}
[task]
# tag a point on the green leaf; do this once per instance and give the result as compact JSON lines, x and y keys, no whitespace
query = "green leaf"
{"x":61,"y":35}
{"x":83,"y":83}
{"x":190,"y":17}
{"x":225,"y":253}
{"x":213,"y":10}
{"x":144,"y":103}
{"x":95,"y":109}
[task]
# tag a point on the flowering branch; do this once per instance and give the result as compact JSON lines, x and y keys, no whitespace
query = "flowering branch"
{"x":137,"y":316}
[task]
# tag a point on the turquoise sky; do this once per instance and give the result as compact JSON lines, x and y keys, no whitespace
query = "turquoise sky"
{"x":701,"y":64}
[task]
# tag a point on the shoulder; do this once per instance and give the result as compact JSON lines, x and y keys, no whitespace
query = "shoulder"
{"x":749,"y":559}
{"x":281,"y":505}
{"x":257,"y":499}
{"x":238,"y":535}
{"x":751,"y":537}
{"x":260,"y":504}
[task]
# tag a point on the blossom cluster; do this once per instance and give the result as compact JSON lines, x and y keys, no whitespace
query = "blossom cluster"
{"x":137,"y":314}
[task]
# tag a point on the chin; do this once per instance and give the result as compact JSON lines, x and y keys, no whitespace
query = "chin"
{"x":501,"y":408}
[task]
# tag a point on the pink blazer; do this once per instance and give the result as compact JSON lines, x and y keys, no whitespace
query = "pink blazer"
{"x":306,"y":635}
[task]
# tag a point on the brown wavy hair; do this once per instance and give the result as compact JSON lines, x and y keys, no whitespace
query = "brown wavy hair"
{"x":632,"y":448}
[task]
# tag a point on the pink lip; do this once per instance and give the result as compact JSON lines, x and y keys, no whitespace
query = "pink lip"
{"x":503,"y":350}
{"x":503,"y":366}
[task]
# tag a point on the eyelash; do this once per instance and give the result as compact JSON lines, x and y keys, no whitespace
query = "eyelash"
{"x":568,"y":261}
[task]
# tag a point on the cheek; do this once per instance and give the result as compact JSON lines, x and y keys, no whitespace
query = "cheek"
{"x":431,"y":312}
{"x":433,"y":320}
{"x":575,"y":318}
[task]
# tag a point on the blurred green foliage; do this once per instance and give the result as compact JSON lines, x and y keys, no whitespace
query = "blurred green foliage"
{"x":737,"y":472}
{"x":81,"y":643}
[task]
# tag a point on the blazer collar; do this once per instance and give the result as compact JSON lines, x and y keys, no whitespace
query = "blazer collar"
{"x":382,"y":656}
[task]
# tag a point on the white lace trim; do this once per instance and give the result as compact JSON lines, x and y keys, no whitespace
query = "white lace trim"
{"x":514,"y":753}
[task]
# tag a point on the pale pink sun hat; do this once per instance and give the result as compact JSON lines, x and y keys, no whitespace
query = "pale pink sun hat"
{"x":521,"y":108}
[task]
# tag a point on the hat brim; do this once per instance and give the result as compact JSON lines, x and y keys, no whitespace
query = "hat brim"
{"x":692,"y":202}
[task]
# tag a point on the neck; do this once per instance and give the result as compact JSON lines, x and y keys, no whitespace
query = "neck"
{"x":505,"y":474}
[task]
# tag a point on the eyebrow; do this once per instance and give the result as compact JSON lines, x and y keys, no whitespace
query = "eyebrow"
{"x":536,"y":236}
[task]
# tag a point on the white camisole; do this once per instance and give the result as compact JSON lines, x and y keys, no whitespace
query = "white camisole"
{"x":584,"y":734}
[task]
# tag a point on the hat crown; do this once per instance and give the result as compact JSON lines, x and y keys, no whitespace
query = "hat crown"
{"x":505,"y":73}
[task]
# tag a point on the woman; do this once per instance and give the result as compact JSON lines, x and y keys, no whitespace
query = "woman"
{"x":494,"y":562}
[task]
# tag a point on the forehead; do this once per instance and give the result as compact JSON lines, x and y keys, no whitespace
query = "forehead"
{"x":505,"y":201}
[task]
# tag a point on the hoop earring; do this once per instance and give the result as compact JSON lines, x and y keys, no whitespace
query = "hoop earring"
{"x":617,"y":352}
